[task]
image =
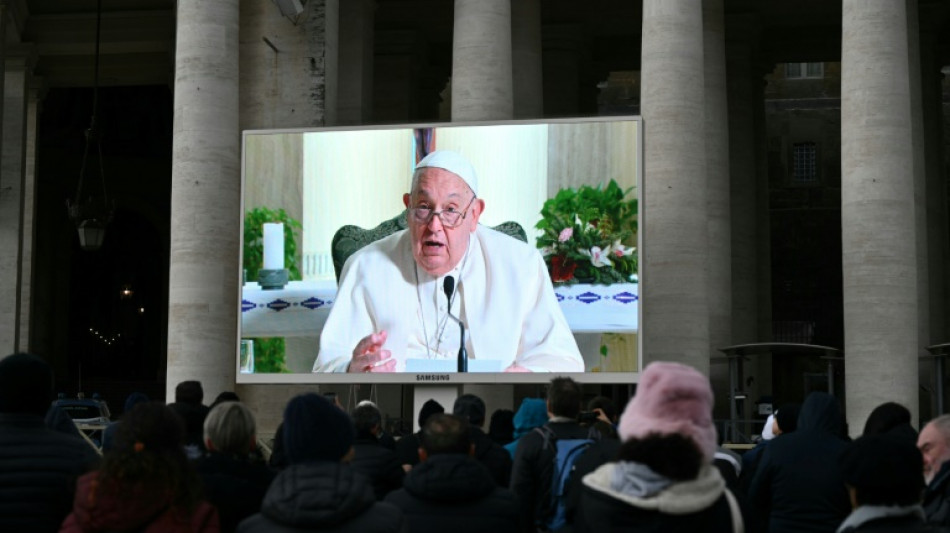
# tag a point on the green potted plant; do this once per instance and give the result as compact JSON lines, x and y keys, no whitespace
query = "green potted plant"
{"x":269,"y":352}
{"x":589,"y":235}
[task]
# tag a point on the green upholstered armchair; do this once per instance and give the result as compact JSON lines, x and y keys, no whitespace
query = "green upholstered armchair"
{"x":348,"y":239}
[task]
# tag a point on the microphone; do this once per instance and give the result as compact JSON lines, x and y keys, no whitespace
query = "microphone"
{"x":449,"y":287}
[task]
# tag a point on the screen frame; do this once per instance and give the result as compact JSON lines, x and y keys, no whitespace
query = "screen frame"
{"x":438,"y":378}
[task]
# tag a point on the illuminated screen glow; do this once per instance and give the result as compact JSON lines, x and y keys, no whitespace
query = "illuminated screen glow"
{"x":330,"y":177}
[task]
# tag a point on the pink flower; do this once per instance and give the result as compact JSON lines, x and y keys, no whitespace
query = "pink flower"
{"x":566,"y":234}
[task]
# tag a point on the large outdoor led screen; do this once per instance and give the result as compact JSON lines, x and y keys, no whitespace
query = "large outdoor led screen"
{"x":313,"y":182}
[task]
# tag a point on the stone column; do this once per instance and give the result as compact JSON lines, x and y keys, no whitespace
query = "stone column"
{"x":675,"y":287}
{"x":289,"y":76}
{"x":481,"y":90}
{"x":16,"y":200}
{"x":289,"y":69}
{"x":356,"y":62}
{"x":205,"y":206}
{"x":718,"y":230}
{"x":878,"y":212}
{"x":9,"y":227}
{"x":481,"y":61}
{"x":33,"y":103}
{"x":527,"y":80}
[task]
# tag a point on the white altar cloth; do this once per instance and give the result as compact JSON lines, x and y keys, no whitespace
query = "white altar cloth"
{"x":301,"y":308}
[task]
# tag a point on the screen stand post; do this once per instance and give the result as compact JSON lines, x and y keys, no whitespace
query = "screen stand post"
{"x":444,"y":394}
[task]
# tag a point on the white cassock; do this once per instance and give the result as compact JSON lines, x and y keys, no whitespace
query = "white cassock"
{"x":504,"y":297}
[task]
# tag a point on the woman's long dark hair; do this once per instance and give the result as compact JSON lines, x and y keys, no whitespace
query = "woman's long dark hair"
{"x":149,"y":455}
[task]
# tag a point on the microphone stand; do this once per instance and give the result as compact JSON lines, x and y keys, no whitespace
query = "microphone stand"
{"x":463,"y":354}
{"x":449,"y":287}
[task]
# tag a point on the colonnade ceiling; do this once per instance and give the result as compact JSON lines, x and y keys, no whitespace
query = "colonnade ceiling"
{"x":137,"y":41}
{"x":138,"y":36}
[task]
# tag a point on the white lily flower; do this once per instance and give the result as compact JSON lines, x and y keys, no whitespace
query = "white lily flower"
{"x":620,"y":250}
{"x":598,"y":257}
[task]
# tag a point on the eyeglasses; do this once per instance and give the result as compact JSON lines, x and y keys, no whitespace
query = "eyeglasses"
{"x":450,"y":217}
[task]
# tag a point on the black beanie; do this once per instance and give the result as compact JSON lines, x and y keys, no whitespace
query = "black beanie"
{"x":884,"y":470}
{"x":26,"y":385}
{"x":316,"y":430}
{"x":428,"y":409}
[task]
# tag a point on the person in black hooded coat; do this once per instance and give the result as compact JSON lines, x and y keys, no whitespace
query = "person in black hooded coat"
{"x":488,"y":452}
{"x":798,"y":483}
{"x":318,"y":491}
{"x":40,"y":465}
{"x":449,"y":486}
{"x":371,"y":457}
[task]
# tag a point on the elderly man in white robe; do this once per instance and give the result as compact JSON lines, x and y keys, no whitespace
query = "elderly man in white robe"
{"x":391,"y":307}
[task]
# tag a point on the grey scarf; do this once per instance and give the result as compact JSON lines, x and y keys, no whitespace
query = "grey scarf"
{"x":637,"y":480}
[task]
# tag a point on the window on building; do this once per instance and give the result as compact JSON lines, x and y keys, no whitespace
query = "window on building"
{"x":804,"y":163}
{"x":804,"y":70}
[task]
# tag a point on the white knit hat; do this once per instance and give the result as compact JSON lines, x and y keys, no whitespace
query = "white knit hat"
{"x":455,"y":163}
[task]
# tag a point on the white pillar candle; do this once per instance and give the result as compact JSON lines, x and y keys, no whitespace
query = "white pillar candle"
{"x":273,"y":246}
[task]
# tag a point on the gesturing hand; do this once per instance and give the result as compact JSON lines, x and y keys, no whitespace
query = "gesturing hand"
{"x":515,"y":367}
{"x":369,"y":355}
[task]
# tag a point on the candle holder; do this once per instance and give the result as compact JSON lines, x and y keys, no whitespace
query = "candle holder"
{"x":272,"y":279}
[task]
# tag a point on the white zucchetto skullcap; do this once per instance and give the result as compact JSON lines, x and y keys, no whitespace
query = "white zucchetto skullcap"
{"x":455,"y":163}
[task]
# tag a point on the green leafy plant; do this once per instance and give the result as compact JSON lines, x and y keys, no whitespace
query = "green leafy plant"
{"x":589,"y":235}
{"x":269,"y":352}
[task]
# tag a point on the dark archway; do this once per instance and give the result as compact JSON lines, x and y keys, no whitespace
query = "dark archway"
{"x":97,"y":339}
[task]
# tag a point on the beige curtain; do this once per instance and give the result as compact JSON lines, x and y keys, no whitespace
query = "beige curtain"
{"x":350,"y":177}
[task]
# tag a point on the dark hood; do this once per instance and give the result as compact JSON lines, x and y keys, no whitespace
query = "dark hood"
{"x":449,"y":478}
{"x":317,"y":494}
{"x":820,"y":412}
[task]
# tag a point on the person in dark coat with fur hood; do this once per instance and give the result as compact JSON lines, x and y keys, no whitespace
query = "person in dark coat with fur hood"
{"x":798,"y":484}
{"x":664,"y":479}
{"x":318,"y":491}
{"x":450,"y":486}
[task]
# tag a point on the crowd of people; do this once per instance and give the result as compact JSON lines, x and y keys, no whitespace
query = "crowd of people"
{"x":556,"y":464}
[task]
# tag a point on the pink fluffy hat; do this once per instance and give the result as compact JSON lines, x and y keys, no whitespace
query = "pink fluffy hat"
{"x":672,"y":398}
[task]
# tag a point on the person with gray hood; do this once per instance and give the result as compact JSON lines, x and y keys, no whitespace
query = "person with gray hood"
{"x":799,"y":485}
{"x":664,"y":479}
